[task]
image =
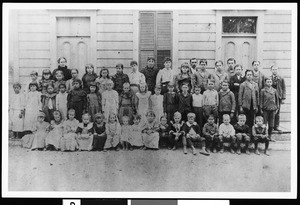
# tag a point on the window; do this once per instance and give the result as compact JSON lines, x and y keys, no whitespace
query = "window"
{"x":155,"y":36}
{"x":239,"y":25}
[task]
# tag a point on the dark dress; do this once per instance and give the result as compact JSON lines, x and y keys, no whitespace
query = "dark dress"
{"x":87,"y":79}
{"x":127,"y":106}
{"x":119,"y":80}
{"x":93,"y":104}
{"x":150,"y":75}
{"x":180,"y":80}
{"x":66,"y":72}
{"x":170,"y":103}
{"x":46,"y":109}
{"x":77,"y":100}
{"x":185,"y":105}
{"x":99,"y":141}
{"x":43,"y":85}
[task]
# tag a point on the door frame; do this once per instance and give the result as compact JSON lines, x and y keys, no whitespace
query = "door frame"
{"x":238,"y":13}
{"x":91,"y":13}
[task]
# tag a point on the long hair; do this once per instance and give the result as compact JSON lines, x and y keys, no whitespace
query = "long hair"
{"x":103,"y":69}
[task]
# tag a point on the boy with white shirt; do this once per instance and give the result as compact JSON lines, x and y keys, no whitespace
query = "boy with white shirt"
{"x":135,"y":77}
{"x":165,"y":76}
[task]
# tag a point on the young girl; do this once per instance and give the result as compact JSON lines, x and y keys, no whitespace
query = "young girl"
{"x":99,"y":132}
{"x":68,"y":141}
{"x":56,"y":132}
{"x":89,"y":76}
{"x":125,"y":133}
{"x":113,"y":132}
{"x":61,"y":101}
{"x":49,"y":102}
{"x":156,"y":103}
{"x":46,"y":79}
{"x":33,"y":105}
{"x":110,"y":100}
{"x":259,"y":133}
{"x":102,"y":79}
{"x":93,"y":101}
{"x":170,"y":102}
{"x":77,"y":99}
{"x":40,"y":130}
{"x":85,"y":133}
{"x":59,"y":80}
{"x":69,"y":83}
{"x":176,"y":133}
{"x":150,"y":129}
{"x":127,"y":103}
{"x":16,"y":111}
{"x":184,"y":77}
{"x":34,"y":77}
{"x":136,"y":133}
{"x":143,"y":101}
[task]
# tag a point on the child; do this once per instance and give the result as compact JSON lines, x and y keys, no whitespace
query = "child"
{"x":156,"y":103}
{"x":110,"y":99}
{"x":165,"y":76}
{"x":164,"y":128}
{"x":127,"y":103}
{"x":259,"y":133}
{"x":99,"y":132}
{"x":269,"y":104}
{"x":176,"y":133}
{"x":184,"y":77}
{"x":89,"y":76}
{"x":226,"y":101}
{"x":226,"y":134}
{"x":34,"y":77}
{"x":219,"y":76}
{"x":210,"y":101}
{"x":93,"y":101}
{"x":192,"y":133}
{"x":242,"y":133}
{"x":198,"y":106}
{"x":135,"y":77}
{"x":69,"y":83}
{"x":113,"y":133}
{"x":36,"y":140}
{"x":170,"y":102}
{"x":210,"y":132}
{"x":119,"y":78}
{"x":249,"y":98}
{"x":150,"y":129}
{"x":185,"y":102}
{"x":59,"y":80}
{"x":230,"y":70}
{"x":201,"y":76}
{"x":46,"y":79}
{"x":61,"y":101}
{"x":16,"y":111}
{"x":125,"y":133}
{"x":278,"y":83}
{"x":150,"y":73}
{"x":102,"y":79}
{"x":68,"y":141}
{"x":143,"y":98}
{"x":77,"y":99}
{"x":56,"y":132}
{"x":49,"y":103}
{"x":258,"y":77}
{"x":85,"y":133}
{"x":136,"y":133}
{"x":32,"y":106}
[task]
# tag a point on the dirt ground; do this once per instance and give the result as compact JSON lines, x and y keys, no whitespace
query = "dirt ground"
{"x":139,"y":170}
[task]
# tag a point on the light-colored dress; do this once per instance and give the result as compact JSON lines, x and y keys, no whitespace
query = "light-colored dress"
{"x":32,"y":106}
{"x":68,"y":141}
{"x":110,"y":102}
{"x":125,"y":133}
{"x":113,"y":133}
{"x":37,"y":138}
{"x":61,"y":104}
{"x":156,"y":104}
{"x":101,"y":84}
{"x":136,"y":135}
{"x":143,"y":104}
{"x":53,"y":137}
{"x":150,"y":140}
{"x":16,"y":105}
{"x":85,"y":136}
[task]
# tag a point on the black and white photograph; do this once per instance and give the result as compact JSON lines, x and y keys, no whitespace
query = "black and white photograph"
{"x":149,"y":100}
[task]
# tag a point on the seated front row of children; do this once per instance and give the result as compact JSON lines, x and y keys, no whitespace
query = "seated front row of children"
{"x":70,"y":135}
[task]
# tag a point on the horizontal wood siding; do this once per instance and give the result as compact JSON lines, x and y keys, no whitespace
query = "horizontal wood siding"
{"x":277,"y":50}
{"x":114,"y":39}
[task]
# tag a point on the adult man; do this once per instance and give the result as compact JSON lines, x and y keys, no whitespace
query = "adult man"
{"x":230,"y":70}
{"x":193,"y":65}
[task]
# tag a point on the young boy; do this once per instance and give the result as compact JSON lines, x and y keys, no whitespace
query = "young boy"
{"x":135,"y":77}
{"x":278,"y":83}
{"x":150,"y":72}
{"x":185,"y":102}
{"x":226,"y":101}
{"x":150,"y":133}
{"x":258,"y":77}
{"x":269,"y":104}
{"x":197,"y":106}
{"x":192,"y":133}
{"x":259,"y":133}
{"x":210,"y":132}
{"x":226,"y":134}
{"x":201,"y":75}
{"x":249,"y":98}
{"x":119,"y":78}
{"x":165,"y":76}
{"x":176,"y":133}
{"x":210,"y":101}
{"x":170,"y":102}
{"x":230,"y":70}
{"x":242,"y":132}
{"x":164,"y":137}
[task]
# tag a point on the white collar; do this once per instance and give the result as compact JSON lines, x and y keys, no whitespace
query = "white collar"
{"x":189,"y":124}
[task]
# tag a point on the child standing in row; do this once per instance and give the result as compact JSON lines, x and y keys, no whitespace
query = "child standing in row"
{"x":46,"y":79}
{"x":156,"y":103}
{"x":93,"y":100}
{"x":68,"y":141}
{"x":69,"y":83}
{"x":110,"y":99}
{"x":165,"y":76}
{"x":210,"y":101}
{"x":184,"y":77}
{"x":34,"y":77}
{"x":185,"y":102}
{"x":136,"y":130}
{"x":49,"y":102}
{"x":102,"y":80}
{"x":143,"y":98}
{"x":170,"y":102}
{"x":119,"y":78}
{"x":89,"y":76}
{"x":198,"y":105}
{"x":59,"y":80}
{"x":226,"y":101}
{"x":125,"y":133}
{"x":127,"y":103}
{"x":62,"y":101}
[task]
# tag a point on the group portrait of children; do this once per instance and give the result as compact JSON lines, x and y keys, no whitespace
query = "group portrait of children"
{"x":149,"y":108}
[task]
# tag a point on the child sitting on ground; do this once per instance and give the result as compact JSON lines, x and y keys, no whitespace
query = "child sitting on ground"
{"x":176,"y":133}
{"x":85,"y":133}
{"x":164,"y":138}
{"x":56,"y":132}
{"x":210,"y":132}
{"x":150,"y":129}
{"x":113,"y":132}
{"x":125,"y":133}
{"x":242,"y":132}
{"x":136,"y":133}
{"x":259,"y":133}
{"x":68,"y":141}
{"x":226,"y":134}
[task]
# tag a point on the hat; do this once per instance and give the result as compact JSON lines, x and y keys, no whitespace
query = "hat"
{"x":41,"y":114}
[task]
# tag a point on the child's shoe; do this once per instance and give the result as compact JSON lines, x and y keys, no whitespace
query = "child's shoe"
{"x":117,"y":148}
{"x":215,"y":150}
{"x":144,"y":148}
{"x":232,"y":151}
{"x":174,"y":148}
{"x":221,"y":150}
{"x":131,"y":148}
{"x":267,"y":153}
{"x":194,"y":151}
{"x":257,"y":152}
{"x":184,"y":150}
{"x":169,"y":148}
{"x":204,"y":152}
{"x":207,"y":150}
{"x":247,"y":152}
{"x":238,"y":151}
{"x":104,"y":150}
